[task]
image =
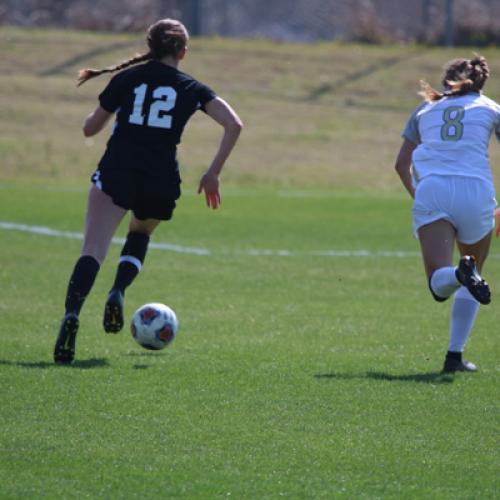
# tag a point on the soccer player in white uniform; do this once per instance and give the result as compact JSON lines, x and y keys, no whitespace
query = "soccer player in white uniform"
{"x":443,"y":163}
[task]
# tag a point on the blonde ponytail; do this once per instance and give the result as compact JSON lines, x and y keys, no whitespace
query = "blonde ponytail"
{"x":429,"y":93}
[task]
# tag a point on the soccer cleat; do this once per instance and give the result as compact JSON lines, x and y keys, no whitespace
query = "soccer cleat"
{"x":468,"y":276}
{"x":64,"y":350}
{"x":452,"y":365}
{"x":113,"y":312}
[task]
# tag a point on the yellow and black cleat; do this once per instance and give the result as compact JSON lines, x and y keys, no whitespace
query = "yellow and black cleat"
{"x":64,"y":350}
{"x":113,"y":312}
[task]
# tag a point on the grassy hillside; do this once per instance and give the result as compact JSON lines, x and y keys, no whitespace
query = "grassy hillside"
{"x":320,"y":114}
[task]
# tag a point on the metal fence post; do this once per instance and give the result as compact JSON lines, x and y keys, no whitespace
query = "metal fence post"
{"x":449,"y":24}
{"x":196,"y":17}
{"x":425,"y":19}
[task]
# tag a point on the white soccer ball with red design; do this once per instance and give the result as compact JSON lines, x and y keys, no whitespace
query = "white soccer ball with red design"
{"x":154,"y":326}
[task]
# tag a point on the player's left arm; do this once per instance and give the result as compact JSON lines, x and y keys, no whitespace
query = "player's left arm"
{"x":96,"y":121}
{"x":221,"y":112}
{"x":497,"y":211}
{"x":403,"y":165}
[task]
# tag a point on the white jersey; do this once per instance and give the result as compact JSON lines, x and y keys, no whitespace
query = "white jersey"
{"x":452,"y":136}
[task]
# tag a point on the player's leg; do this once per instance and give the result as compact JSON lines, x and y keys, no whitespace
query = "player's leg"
{"x":437,"y":243}
{"x":130,"y":263}
{"x":466,"y":305}
{"x":102,"y":219}
{"x":154,"y":201}
{"x":472,"y":259}
{"x":474,"y":207}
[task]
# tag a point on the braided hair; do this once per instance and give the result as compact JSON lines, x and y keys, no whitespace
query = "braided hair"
{"x":166,"y":37}
{"x":460,"y":76}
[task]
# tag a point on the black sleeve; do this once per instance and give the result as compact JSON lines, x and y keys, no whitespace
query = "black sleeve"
{"x":205,"y":94}
{"x":109,"y":98}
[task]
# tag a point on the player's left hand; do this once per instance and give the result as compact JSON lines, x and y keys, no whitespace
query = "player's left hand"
{"x":209,"y":183}
{"x":497,"y":218}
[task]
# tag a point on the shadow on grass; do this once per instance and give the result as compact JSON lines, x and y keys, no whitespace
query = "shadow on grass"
{"x":350,"y":78}
{"x":83,"y":364}
{"x":424,"y":378}
{"x":148,"y":354}
{"x":81,"y":58}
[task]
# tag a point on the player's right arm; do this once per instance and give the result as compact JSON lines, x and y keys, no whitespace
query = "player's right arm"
{"x":96,"y":121}
{"x":411,"y":139}
{"x":403,"y":165}
{"x":109,"y":102}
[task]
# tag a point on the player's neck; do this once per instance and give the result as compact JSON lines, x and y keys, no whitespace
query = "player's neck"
{"x":169,"y":61}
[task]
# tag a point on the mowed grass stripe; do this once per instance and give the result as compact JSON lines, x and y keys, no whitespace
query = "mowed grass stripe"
{"x":46,"y":231}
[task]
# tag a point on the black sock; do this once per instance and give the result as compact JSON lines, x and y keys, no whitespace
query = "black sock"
{"x":131,"y":260}
{"x":80,"y":283}
{"x":454,"y":355}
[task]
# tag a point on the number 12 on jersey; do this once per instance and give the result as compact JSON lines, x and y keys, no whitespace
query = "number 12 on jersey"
{"x":164,"y":101}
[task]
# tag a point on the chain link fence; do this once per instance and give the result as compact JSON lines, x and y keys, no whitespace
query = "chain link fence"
{"x":474,"y":22}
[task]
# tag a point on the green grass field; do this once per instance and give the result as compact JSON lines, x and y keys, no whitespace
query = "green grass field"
{"x":308,"y":358}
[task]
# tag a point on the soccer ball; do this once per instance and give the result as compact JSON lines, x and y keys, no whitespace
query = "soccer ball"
{"x":154,"y":326}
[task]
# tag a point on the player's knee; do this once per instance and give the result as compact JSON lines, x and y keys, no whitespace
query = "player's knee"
{"x":97,"y":252}
{"x":437,"y":298}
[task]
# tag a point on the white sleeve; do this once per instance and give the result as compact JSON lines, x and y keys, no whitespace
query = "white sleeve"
{"x":411,"y":131}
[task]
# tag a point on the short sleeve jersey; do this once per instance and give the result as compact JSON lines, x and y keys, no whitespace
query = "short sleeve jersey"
{"x":452,"y":136}
{"x":153,"y":103}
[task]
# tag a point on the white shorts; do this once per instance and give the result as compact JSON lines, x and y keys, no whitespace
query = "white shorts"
{"x":468,"y":203}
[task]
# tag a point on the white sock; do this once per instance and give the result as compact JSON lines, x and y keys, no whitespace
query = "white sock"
{"x":463,"y":315}
{"x":444,"y":282}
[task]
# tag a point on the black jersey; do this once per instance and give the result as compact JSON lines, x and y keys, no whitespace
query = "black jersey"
{"x":153,"y":102}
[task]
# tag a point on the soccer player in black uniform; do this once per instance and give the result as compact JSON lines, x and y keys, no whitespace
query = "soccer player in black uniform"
{"x":139,"y":172}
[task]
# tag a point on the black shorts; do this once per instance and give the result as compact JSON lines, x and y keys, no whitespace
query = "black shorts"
{"x":148,"y":196}
{"x":142,"y":178}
